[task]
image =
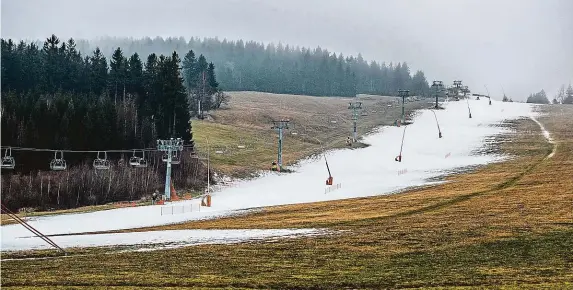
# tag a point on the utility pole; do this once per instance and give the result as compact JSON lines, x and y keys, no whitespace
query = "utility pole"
{"x":437,"y":88}
{"x":355,"y":106}
{"x":457,"y":86}
{"x":169,"y":146}
{"x":280,"y":126}
{"x":404,"y":94}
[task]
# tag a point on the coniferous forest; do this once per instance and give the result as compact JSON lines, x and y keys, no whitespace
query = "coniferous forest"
{"x":253,"y":66}
{"x":54,"y":97}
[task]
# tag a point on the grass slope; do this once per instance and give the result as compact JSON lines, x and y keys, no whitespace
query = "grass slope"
{"x":248,"y":121}
{"x":505,"y":225}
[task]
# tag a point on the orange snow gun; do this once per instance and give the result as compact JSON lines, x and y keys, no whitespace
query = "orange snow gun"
{"x":329,"y":179}
{"x":206,"y":201}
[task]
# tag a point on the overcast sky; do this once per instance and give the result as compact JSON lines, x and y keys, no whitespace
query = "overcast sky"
{"x":520,"y":45}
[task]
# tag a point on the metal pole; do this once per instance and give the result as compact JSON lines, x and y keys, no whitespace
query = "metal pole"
{"x":208,"y":168}
{"x":403,"y":101}
{"x":403,"y":94}
{"x":355,"y":106}
{"x":354,"y":131}
{"x":168,"y":176}
{"x":280,"y":151}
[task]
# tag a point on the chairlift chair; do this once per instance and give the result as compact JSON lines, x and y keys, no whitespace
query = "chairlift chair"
{"x":138,"y":162}
{"x":58,"y":163}
{"x":8,"y":161}
{"x":101,"y":163}
{"x":175,"y":159}
{"x":134,"y":160}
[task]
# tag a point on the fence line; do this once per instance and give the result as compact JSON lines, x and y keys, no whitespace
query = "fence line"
{"x":179,"y":209}
{"x":332,"y":188}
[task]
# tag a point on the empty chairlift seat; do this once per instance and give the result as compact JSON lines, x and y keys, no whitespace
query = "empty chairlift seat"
{"x":101,"y":163}
{"x":8,"y":161}
{"x":58,"y":163}
{"x":138,"y":162}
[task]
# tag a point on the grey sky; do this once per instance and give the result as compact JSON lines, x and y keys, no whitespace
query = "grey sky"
{"x":522,"y":45}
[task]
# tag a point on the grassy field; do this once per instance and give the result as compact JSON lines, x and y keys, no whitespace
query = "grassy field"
{"x":315,"y":123}
{"x":504,"y":225}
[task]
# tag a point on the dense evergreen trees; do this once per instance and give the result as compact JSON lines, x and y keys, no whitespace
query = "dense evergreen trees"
{"x":53,"y":97}
{"x":126,"y":103}
{"x":253,"y":66}
{"x":538,"y":98}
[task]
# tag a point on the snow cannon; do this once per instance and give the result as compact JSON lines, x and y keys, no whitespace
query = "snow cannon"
{"x":398,"y":158}
{"x":275,"y":167}
{"x":206,"y":201}
{"x":330,"y":178}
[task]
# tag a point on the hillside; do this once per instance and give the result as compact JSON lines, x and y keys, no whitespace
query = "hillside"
{"x":315,"y":123}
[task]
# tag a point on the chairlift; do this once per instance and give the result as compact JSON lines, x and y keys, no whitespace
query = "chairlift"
{"x":138,"y":162}
{"x":175,"y":159}
{"x":8,"y":161}
{"x":101,"y":163}
{"x":58,"y":163}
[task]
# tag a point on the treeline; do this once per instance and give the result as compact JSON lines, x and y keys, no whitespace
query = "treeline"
{"x":538,"y":98}
{"x":54,"y":97}
{"x":563,"y":96}
{"x":254,"y":66}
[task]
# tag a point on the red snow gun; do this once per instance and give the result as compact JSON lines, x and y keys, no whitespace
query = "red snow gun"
{"x":329,"y":179}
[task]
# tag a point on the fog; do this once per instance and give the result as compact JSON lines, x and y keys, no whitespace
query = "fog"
{"x":521,"y":45}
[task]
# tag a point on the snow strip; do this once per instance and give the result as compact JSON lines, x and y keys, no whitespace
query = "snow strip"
{"x":547,"y":137}
{"x":159,"y":239}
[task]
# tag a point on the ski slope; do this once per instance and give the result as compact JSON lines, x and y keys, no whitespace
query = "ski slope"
{"x":362,"y":172}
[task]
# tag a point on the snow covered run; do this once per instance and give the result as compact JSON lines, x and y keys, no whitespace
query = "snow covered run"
{"x":362,"y":172}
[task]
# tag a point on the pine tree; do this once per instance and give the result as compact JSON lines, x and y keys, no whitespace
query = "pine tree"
{"x":569,"y":95}
{"x":98,"y":72}
{"x":51,"y":73}
{"x":213,"y":85}
{"x":117,"y":74}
